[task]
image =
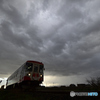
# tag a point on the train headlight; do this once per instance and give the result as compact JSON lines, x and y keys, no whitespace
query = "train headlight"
{"x":41,"y":75}
{"x":29,"y":74}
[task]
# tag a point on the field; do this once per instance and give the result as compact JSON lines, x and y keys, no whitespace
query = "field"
{"x":48,"y":93}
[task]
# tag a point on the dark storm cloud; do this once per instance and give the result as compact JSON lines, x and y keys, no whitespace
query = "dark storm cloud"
{"x":12,"y":14}
{"x":63,"y":34}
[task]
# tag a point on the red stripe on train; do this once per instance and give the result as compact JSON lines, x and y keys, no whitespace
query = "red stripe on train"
{"x":35,"y":62}
{"x":41,"y":79}
{"x":26,"y":78}
{"x":35,"y":75}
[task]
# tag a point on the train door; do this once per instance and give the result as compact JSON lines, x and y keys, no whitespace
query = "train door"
{"x":36,"y":72}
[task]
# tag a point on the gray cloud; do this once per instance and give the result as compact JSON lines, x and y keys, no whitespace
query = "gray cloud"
{"x":64,"y":35}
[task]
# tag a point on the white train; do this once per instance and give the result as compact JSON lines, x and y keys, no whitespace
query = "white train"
{"x":31,"y":73}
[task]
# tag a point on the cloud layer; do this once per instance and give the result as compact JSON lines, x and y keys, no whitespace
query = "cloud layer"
{"x":63,"y":34}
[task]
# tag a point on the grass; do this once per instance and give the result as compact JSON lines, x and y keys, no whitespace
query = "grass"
{"x":26,"y":95}
{"x":32,"y":95}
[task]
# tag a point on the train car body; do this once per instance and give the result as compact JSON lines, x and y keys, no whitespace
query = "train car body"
{"x":30,"y":72}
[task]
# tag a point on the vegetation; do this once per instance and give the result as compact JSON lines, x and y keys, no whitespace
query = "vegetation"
{"x":33,"y":95}
{"x":29,"y":95}
{"x":95,"y":82}
{"x":52,"y":93}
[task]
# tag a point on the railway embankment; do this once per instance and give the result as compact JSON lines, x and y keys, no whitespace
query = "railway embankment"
{"x":46,"y":93}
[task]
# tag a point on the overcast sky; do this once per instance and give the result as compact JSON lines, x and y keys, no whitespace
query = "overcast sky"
{"x":63,"y":34}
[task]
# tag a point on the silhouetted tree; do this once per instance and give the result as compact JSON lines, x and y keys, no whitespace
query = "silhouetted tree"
{"x":95,"y":82}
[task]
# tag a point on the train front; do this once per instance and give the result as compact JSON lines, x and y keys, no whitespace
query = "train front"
{"x":34,"y":72}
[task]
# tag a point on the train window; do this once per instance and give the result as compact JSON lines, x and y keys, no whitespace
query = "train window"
{"x":29,"y":66}
{"x":35,"y":68}
{"x":41,"y":69}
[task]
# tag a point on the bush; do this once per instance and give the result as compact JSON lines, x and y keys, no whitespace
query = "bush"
{"x":2,"y":87}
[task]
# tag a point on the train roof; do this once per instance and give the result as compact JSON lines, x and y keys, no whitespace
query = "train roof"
{"x":34,"y":61}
